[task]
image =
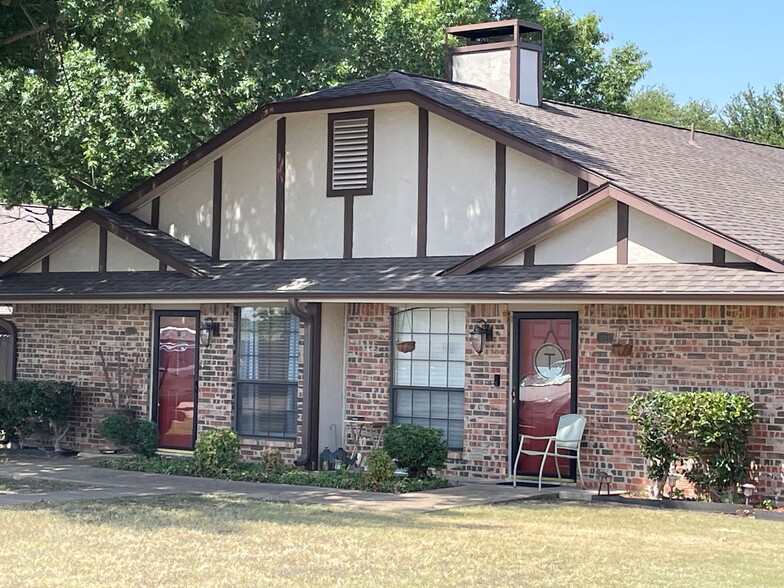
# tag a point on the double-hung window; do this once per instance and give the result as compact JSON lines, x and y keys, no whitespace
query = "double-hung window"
{"x":267,"y":372}
{"x":428,"y":382}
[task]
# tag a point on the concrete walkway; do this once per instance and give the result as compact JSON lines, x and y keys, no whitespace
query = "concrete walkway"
{"x":103,"y":483}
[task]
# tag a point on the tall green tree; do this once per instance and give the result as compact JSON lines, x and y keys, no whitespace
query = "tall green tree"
{"x":96,"y":95}
{"x":757,"y":116}
{"x":659,"y":104}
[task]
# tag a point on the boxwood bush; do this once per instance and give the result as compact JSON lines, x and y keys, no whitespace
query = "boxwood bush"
{"x":710,"y":428}
{"x":217,"y":451}
{"x":415,"y":448}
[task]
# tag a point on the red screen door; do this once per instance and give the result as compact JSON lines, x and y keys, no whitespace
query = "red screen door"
{"x":177,"y":336}
{"x":546,"y":374}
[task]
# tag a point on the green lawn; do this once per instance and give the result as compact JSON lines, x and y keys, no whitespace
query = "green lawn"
{"x":195,"y":541}
{"x":35,"y":486}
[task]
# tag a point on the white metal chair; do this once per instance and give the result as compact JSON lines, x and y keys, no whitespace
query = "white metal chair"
{"x":566,"y":440}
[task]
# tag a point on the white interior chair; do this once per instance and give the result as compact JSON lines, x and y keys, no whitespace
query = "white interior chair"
{"x":564,"y":444}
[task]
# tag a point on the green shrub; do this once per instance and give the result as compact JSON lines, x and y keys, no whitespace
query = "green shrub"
{"x":710,"y":428}
{"x":272,"y":462}
{"x":144,"y":438}
{"x":138,"y":435}
{"x":118,"y":429}
{"x":380,"y":469}
{"x":26,"y":405}
{"x":415,"y":448}
{"x":217,"y":452}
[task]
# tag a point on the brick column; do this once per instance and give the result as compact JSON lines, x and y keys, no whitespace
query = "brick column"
{"x":486,"y":433}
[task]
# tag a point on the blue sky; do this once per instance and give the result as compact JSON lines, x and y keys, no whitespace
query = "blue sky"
{"x":699,"y":48}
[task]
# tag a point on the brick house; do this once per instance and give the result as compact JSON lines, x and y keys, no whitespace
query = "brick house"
{"x":543,"y":258}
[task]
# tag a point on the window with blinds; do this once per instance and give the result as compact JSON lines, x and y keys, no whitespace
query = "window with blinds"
{"x":350,"y":154}
{"x":428,"y":383}
{"x":267,"y":372}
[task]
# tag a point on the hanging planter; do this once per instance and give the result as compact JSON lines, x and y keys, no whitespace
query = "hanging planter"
{"x":406,"y":330}
{"x":405,"y":346}
{"x":622,"y":349}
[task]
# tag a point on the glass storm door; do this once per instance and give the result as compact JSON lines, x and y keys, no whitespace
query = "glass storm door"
{"x":545,"y":373}
{"x":176,"y":368}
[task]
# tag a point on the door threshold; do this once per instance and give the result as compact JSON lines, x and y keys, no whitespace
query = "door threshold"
{"x":176,"y":452}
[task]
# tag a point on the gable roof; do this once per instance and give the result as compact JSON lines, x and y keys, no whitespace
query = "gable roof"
{"x":20,"y":226}
{"x":727,"y":185}
{"x":528,"y":235}
{"x":167,"y":249}
{"x":731,"y":186}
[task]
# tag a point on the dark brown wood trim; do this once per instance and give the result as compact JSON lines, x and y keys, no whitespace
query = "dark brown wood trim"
{"x":280,"y":188}
{"x":45,"y":264}
{"x":524,"y":147}
{"x":143,"y":244}
{"x":217,"y":207}
{"x":331,"y":118}
{"x":622,"y":233}
{"x":680,"y":222}
{"x":500,"y":192}
{"x":161,"y":266}
{"x":497,"y":24}
{"x":103,"y":238}
{"x":155,"y":213}
{"x":348,"y":227}
{"x":521,"y":238}
{"x":719,"y":255}
{"x":529,"y":255}
{"x":582,"y":186}
{"x":422,"y":175}
{"x":517,"y":240}
{"x":139,"y":192}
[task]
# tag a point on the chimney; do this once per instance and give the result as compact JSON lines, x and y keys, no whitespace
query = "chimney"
{"x":504,"y":57}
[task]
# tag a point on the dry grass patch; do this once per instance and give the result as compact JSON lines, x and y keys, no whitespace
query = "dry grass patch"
{"x":30,"y":485}
{"x":215,"y":541}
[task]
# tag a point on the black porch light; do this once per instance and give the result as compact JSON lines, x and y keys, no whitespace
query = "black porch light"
{"x":479,"y":334}
{"x":208,"y":329}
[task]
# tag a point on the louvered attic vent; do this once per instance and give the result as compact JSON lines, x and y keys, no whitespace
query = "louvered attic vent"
{"x":350,"y":155}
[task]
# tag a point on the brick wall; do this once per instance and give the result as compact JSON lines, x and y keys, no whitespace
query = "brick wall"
{"x":368,"y":346}
{"x":732,"y":348}
{"x":61,"y":341}
{"x":486,"y":432}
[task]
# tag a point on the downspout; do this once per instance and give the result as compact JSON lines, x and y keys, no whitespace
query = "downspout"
{"x":310,"y":315}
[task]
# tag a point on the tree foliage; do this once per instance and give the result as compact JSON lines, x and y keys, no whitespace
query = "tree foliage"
{"x":757,"y":116}
{"x":97,"y":95}
{"x":659,"y":104}
{"x":712,"y":429}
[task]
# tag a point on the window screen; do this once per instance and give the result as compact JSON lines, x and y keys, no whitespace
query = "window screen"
{"x":267,"y":372}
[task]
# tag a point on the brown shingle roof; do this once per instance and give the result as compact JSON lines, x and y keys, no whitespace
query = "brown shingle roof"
{"x":395,"y":278}
{"x":731,"y":186}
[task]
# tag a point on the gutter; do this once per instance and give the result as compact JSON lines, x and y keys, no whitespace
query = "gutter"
{"x":310,"y":314}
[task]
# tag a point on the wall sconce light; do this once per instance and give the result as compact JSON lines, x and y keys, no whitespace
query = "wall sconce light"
{"x":479,"y":334}
{"x":209,"y":329}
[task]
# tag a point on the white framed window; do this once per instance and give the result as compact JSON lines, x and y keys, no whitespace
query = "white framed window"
{"x":428,"y":382}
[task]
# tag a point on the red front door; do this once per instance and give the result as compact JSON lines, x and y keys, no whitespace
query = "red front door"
{"x":174,"y":405}
{"x":546,"y":377}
